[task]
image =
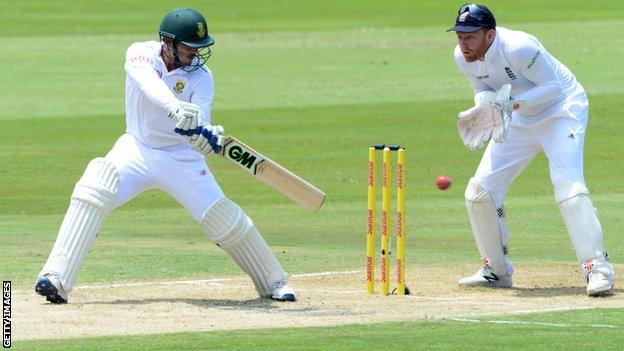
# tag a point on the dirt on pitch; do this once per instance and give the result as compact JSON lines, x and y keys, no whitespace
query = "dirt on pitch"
{"x":324,"y":299}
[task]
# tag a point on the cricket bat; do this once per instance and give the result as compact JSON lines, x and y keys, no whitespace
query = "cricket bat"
{"x":272,"y":174}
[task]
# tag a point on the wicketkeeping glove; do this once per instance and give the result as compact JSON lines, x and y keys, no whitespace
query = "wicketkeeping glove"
{"x":187,"y":115}
{"x":504,"y":104}
{"x":476,"y":124}
{"x":208,"y":139}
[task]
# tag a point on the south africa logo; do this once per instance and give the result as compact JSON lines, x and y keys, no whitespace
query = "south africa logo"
{"x":179,"y":86}
{"x":201,"y":31}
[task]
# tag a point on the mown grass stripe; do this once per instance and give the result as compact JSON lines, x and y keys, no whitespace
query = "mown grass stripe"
{"x":556,"y":325}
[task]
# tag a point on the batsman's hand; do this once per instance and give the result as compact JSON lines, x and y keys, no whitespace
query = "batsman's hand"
{"x":207,"y":139}
{"x":187,"y":115}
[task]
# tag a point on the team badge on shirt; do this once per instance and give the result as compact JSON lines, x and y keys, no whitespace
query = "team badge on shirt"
{"x":510,"y":73}
{"x":179,"y":86}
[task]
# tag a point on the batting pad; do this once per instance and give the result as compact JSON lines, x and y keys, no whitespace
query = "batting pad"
{"x":580,"y":219}
{"x":90,"y":203}
{"x":484,"y":221}
{"x":231,"y":229}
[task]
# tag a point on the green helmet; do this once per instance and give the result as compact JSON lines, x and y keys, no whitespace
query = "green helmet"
{"x":187,"y":26}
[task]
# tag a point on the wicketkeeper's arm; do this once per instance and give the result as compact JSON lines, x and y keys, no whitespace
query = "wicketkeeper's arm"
{"x":538,"y":68}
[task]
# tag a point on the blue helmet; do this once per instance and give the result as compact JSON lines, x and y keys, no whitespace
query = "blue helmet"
{"x":472,"y":17}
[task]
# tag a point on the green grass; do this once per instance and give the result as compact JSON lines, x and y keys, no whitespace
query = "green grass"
{"x":310,"y":84}
{"x":437,"y":221}
{"x":43,"y":17}
{"x":551,"y":331}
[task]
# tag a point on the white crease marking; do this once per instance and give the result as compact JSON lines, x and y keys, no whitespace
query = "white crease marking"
{"x":206,"y":281}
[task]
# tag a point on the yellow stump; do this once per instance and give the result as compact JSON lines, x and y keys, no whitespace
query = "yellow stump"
{"x":385,"y":224}
{"x":400,"y":222}
{"x":370,"y":224}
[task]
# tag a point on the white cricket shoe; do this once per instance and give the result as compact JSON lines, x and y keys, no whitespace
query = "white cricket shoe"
{"x":485,"y":277}
{"x":281,"y":291}
{"x":49,"y":285}
{"x":599,"y":283}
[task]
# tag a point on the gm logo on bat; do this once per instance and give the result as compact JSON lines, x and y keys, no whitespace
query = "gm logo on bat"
{"x":243,"y":156}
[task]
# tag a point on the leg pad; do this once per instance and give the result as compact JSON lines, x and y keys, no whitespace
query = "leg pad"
{"x":484,"y":220}
{"x":581,"y":221}
{"x":226,"y":224}
{"x":91,"y":201}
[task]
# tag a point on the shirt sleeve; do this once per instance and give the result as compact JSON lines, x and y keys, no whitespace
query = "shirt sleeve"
{"x":203,"y":96}
{"x":139,"y":69}
{"x":535,"y":65}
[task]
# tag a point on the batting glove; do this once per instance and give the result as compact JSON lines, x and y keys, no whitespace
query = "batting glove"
{"x":187,"y":115}
{"x":208,"y":139}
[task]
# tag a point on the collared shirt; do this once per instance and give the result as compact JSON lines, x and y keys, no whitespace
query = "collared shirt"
{"x":152,"y":93}
{"x":544,"y":85}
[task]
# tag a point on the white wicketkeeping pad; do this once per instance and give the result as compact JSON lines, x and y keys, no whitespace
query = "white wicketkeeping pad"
{"x":484,"y":221}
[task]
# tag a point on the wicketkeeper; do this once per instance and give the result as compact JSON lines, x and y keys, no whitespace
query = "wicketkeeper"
{"x":526,"y":101}
{"x":169,"y":94}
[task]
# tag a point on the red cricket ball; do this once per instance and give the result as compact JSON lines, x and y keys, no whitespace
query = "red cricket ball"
{"x":443,"y":182}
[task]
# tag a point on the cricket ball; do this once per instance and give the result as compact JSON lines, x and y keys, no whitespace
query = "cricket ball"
{"x":443,"y":182}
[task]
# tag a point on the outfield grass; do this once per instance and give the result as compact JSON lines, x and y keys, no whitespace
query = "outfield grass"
{"x":551,"y":331}
{"x":311,"y":84}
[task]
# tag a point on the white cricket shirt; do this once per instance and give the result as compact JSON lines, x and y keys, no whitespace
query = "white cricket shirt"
{"x":547,"y":87}
{"x":152,"y":94}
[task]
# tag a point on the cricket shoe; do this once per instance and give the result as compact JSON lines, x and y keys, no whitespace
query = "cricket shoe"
{"x":281,"y":291}
{"x":485,"y":277}
{"x":49,"y":285}
{"x":599,"y":284}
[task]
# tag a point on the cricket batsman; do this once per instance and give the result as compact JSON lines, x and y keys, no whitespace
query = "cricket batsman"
{"x":526,"y":101}
{"x":169,"y":93}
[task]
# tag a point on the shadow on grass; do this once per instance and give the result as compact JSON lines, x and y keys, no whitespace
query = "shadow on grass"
{"x":259,"y":304}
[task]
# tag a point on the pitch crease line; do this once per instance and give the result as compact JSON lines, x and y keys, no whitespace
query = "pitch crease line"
{"x":208,"y":281}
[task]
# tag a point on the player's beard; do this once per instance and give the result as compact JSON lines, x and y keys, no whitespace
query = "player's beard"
{"x":476,"y":54}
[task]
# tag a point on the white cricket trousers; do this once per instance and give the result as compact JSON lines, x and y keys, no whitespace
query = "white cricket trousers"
{"x":561,"y":139}
{"x":180,"y":172}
